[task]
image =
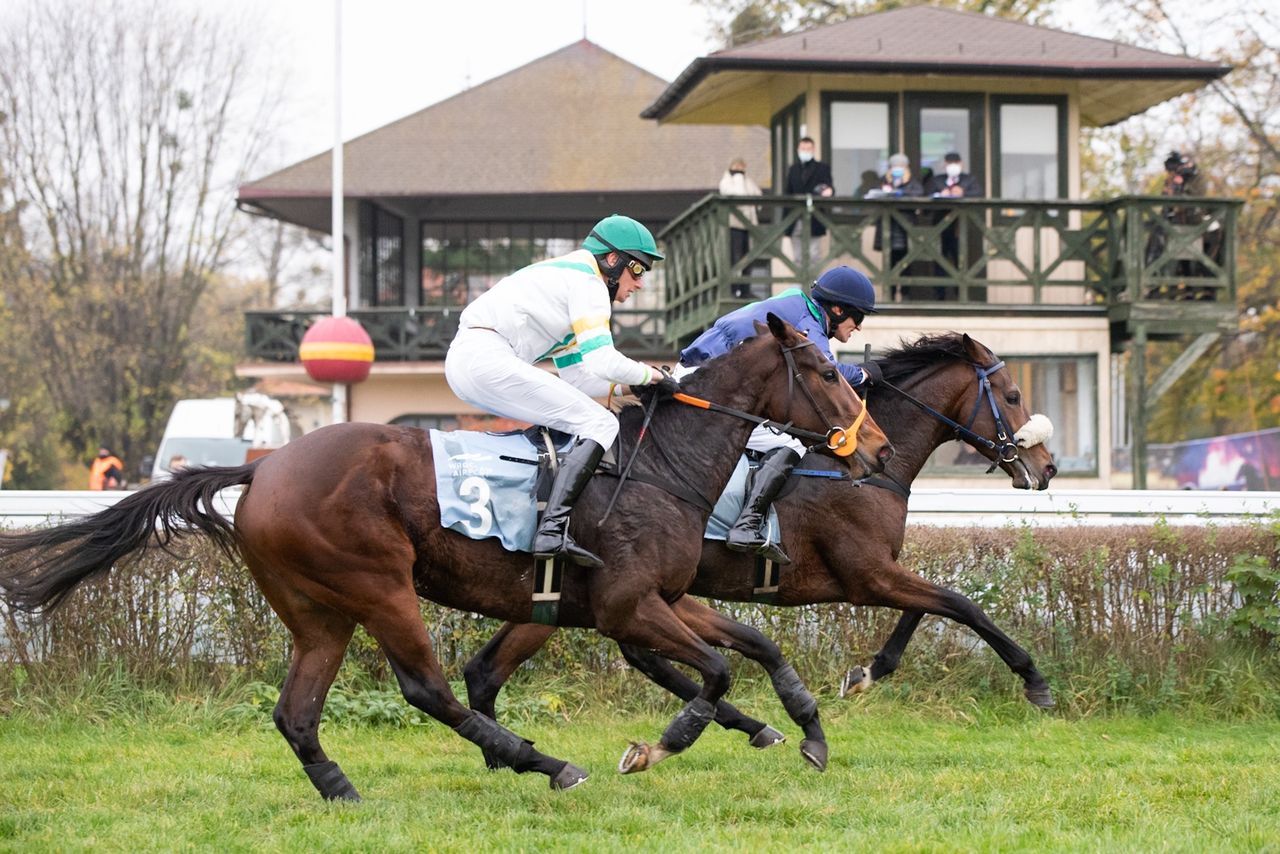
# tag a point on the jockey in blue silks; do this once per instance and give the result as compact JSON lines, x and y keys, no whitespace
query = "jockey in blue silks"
{"x":835,"y":308}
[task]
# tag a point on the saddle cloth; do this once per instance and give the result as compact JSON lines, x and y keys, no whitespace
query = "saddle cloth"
{"x":483,"y":495}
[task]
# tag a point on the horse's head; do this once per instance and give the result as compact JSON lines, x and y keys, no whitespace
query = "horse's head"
{"x":803,"y":388}
{"x":1001,"y":415}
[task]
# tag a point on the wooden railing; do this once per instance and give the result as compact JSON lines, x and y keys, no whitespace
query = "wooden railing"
{"x":423,"y":334}
{"x":1004,"y":254}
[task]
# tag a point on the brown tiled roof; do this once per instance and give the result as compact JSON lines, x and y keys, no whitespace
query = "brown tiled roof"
{"x":568,"y":122}
{"x":929,"y":40}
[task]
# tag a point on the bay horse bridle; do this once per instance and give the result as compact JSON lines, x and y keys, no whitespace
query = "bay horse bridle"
{"x":1005,"y":444}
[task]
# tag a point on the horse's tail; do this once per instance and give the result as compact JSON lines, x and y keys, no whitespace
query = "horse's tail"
{"x":39,"y":568}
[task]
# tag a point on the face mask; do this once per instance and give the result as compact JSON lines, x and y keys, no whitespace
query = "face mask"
{"x":804,"y":156}
{"x":953,"y":170}
{"x":897,"y":172}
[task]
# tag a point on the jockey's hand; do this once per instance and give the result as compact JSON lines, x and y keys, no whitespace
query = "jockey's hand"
{"x":661,"y":383}
{"x":873,"y":372}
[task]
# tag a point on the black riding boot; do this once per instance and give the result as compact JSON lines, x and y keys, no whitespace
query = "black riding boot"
{"x":576,"y":468}
{"x":748,"y":533}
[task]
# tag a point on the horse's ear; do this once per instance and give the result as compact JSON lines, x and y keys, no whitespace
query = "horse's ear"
{"x":777,"y":326}
{"x":975,"y":351}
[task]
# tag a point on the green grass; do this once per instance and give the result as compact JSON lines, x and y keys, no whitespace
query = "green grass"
{"x":960,"y":777}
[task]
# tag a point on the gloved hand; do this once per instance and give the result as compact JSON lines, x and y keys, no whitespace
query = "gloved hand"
{"x":661,"y":383}
{"x":873,"y":372}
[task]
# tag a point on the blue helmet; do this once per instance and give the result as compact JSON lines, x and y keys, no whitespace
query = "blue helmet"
{"x":845,"y":286}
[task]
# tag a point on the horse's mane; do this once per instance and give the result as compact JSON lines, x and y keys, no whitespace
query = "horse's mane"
{"x":911,"y":357}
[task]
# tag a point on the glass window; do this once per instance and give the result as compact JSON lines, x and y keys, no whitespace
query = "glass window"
{"x":942,"y":130}
{"x":859,"y":144}
{"x":1029,"y":157}
{"x":381,"y":261}
{"x":1065,"y":388}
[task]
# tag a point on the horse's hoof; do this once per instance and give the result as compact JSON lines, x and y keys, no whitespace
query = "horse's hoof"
{"x":815,"y":753}
{"x":1040,"y":696}
{"x":635,"y":759}
{"x":493,"y":763}
{"x":767,"y":737}
{"x":570,"y":775}
{"x":857,"y":680}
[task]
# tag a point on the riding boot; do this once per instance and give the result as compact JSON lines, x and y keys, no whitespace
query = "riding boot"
{"x":748,"y":533}
{"x":553,"y":538}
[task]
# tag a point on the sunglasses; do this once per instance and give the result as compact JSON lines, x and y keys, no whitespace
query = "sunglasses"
{"x":856,"y":315}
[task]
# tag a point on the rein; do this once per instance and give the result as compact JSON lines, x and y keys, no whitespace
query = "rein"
{"x":1005,"y":448}
{"x":841,"y":441}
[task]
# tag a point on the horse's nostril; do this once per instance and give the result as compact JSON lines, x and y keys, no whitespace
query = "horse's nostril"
{"x":886,"y":454}
{"x":1050,"y":471}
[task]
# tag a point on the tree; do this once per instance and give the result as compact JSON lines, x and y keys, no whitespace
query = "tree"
{"x":1232,"y":127}
{"x":129,"y":124}
{"x":739,"y":22}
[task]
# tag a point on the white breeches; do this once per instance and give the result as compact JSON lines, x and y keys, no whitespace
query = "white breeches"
{"x":484,"y":371}
{"x":762,"y":438}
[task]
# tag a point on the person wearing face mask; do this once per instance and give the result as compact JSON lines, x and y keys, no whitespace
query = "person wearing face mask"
{"x":953,"y":183}
{"x":809,"y":176}
{"x":736,"y":182}
{"x":897,"y":182}
{"x":558,"y":309}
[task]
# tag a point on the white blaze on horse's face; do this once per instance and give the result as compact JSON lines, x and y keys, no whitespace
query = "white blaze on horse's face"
{"x":1037,"y":431}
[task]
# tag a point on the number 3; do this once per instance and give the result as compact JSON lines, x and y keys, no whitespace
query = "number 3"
{"x":476,"y":486}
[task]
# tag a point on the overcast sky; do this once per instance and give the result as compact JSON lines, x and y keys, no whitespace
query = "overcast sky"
{"x":402,"y":55}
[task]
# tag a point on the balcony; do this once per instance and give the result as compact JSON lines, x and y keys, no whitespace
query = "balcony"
{"x":1137,"y":260}
{"x":423,"y":334}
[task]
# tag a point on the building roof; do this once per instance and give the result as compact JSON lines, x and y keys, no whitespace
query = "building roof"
{"x":921,"y":40}
{"x":565,"y":123}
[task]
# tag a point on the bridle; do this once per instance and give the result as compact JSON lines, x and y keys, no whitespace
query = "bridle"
{"x":840,"y":441}
{"x":1005,"y":445}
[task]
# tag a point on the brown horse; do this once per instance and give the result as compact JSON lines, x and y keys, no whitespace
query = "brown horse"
{"x":845,"y":540}
{"x":342,"y":527}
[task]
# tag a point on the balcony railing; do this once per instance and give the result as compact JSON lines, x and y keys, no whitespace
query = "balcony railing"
{"x":423,"y":334}
{"x":1005,"y":254}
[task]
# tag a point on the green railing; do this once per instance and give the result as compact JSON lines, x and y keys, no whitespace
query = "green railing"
{"x":423,"y":334}
{"x":1004,"y":254}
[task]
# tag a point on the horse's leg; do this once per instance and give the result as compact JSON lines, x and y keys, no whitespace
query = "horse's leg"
{"x":662,"y":673}
{"x":396,"y":623}
{"x":320,"y":638}
{"x":653,"y":625}
{"x":491,"y":667}
{"x":894,"y":586}
{"x":860,"y":678}
{"x":718,"y":629}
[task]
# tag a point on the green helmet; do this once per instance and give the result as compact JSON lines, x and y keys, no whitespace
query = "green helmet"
{"x":620,"y":233}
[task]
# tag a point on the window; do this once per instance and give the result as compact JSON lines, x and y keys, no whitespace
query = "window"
{"x":381,"y":257}
{"x":1065,"y":388}
{"x":859,"y":136}
{"x":461,"y":260}
{"x":941,"y":122}
{"x":1030,"y":148}
{"x":426,"y":422}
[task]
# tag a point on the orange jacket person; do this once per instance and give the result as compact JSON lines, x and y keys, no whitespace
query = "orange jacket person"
{"x":106,"y":471}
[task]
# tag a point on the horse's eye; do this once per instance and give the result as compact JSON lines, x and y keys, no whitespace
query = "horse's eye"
{"x":1013,"y":397}
{"x":829,"y":376}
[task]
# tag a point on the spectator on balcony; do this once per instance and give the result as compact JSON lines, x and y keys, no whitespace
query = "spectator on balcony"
{"x":809,"y":176}
{"x":557,"y":309}
{"x":954,"y":183}
{"x":896,"y":183}
{"x":835,"y":308}
{"x":106,"y":471}
{"x":736,"y":182}
{"x":1183,"y":178}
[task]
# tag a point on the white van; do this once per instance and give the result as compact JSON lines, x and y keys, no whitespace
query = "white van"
{"x":222,"y":431}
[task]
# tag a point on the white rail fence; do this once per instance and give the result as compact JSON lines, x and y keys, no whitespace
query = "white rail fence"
{"x":25,"y":509}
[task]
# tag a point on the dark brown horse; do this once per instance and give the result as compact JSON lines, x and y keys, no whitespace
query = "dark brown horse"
{"x":845,"y":539}
{"x":342,"y":527}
